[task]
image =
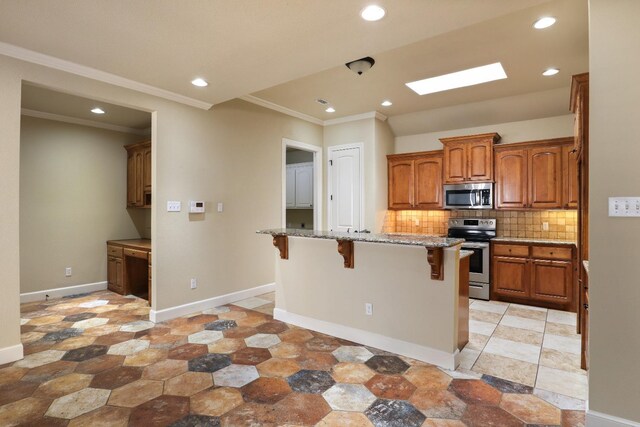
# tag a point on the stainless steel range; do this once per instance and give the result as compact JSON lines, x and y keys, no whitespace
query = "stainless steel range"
{"x":477,"y":232}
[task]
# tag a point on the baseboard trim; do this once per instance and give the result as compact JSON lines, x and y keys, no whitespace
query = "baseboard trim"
{"x":182,"y":310}
{"x":415,"y":351}
{"x":598,"y":419}
{"x":11,"y":354}
{"x":62,"y":292}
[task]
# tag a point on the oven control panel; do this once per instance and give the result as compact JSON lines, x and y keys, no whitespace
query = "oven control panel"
{"x":475,"y":223}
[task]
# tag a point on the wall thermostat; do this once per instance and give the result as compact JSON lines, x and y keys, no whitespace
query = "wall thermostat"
{"x":196,"y":206}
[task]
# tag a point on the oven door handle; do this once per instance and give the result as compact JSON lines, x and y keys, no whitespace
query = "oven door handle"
{"x":475,"y":245}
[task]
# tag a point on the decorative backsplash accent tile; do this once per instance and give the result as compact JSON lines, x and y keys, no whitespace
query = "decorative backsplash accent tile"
{"x":563,"y":224}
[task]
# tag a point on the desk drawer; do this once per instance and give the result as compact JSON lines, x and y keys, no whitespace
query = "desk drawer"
{"x":511,"y":250}
{"x":135,"y":253}
{"x":114,"y":251}
{"x":551,"y":252}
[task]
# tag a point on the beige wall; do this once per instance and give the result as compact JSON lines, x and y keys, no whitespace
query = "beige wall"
{"x":614,"y":287}
{"x":527,"y":130}
{"x":230,"y":154}
{"x":377,"y":141}
{"x":407,"y":304}
{"x":73,"y":182}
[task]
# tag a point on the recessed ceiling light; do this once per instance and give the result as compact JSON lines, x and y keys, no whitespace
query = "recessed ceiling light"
{"x":199,"y":82}
{"x":372,"y":13}
{"x":464,"y":78}
{"x":550,"y":72}
{"x":544,"y":22}
{"x":97,"y":110}
{"x":386,"y":103}
{"x":330,"y":110}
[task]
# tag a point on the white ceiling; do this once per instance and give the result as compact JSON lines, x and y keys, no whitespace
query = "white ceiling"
{"x":292,"y":51}
{"x":63,"y":105}
{"x":523,"y":51}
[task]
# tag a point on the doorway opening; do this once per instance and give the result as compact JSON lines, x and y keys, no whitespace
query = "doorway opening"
{"x":301,"y":185}
{"x":79,"y":189}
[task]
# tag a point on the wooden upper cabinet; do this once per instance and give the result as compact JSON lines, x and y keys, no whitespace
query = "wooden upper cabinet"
{"x":400,"y":176}
{"x":570,"y":187}
{"x":146,"y":153}
{"x":469,"y":158}
{"x":415,"y":180}
{"x":139,"y":175}
{"x":480,"y":161}
{"x":579,"y":105}
{"x":455,"y":161}
{"x":545,"y":177}
{"x":536,"y":175}
{"x":428,"y":182}
{"x":511,"y":179}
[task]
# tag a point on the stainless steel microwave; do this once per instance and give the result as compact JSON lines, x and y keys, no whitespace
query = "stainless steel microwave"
{"x":468,"y":196}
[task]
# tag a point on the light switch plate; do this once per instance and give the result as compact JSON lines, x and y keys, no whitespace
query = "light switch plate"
{"x":173,"y":206}
{"x":624,"y":206}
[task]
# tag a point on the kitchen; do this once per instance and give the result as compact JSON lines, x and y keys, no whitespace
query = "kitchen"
{"x":192,"y":160}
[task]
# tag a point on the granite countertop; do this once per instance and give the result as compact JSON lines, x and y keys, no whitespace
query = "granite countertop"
{"x":464,"y":253}
{"x":394,"y":239}
{"x":144,"y":244}
{"x":586,"y":266}
{"x":534,"y":240}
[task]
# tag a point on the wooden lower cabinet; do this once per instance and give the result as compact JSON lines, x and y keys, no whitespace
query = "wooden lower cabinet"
{"x":539,"y":275}
{"x":129,"y":267}
{"x":511,"y":276}
{"x":115,"y":274}
{"x":551,"y":280}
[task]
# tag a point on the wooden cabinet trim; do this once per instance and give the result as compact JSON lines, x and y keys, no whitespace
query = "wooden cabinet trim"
{"x":493,"y":136}
{"x":345,"y":248}
{"x":532,"y":144}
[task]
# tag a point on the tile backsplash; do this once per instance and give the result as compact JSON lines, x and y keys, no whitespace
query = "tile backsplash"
{"x":562,"y":223}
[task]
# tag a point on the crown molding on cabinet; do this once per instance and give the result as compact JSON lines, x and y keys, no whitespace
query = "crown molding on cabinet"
{"x":83,"y":122}
{"x":95,"y":74}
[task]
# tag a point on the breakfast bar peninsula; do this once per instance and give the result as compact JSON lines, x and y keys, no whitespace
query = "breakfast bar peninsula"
{"x":401,"y":293}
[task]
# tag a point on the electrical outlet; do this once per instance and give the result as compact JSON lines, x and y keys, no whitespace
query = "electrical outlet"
{"x":194,"y":283}
{"x":368,"y":309}
{"x":545,"y":226}
{"x":220,"y":207}
{"x":416,"y":222}
{"x":67,"y":272}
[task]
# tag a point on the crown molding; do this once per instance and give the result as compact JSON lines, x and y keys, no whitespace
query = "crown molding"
{"x":95,"y":74}
{"x":370,"y":115}
{"x":284,"y":110}
{"x":83,"y":122}
{"x":273,"y":106}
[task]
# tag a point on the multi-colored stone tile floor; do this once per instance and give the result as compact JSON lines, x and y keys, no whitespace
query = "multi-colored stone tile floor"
{"x":94,"y":360}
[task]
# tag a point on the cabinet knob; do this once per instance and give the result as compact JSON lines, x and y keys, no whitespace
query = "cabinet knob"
{"x":550,"y":253}
{"x":586,"y":306}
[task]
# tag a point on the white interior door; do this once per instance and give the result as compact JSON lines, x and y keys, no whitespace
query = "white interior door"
{"x":346,"y":189}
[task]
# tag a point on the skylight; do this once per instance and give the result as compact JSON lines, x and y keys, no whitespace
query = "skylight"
{"x":464,"y":78}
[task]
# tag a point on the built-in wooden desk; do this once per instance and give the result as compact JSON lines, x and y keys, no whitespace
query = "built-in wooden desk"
{"x":129,"y":267}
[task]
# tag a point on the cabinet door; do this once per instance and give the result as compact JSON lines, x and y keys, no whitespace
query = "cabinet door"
{"x":146,"y":153}
{"x":455,"y":163}
{"x":479,"y":161}
{"x":131,"y":179}
{"x":400,"y":173}
{"x":551,"y":280}
{"x":569,"y":177}
{"x":545,"y":177}
{"x":511,"y":179}
{"x":115,"y":274}
{"x":304,"y":186}
{"x":510,"y":276}
{"x":428,"y":183}
{"x":291,"y":187}
{"x":139,"y":177}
